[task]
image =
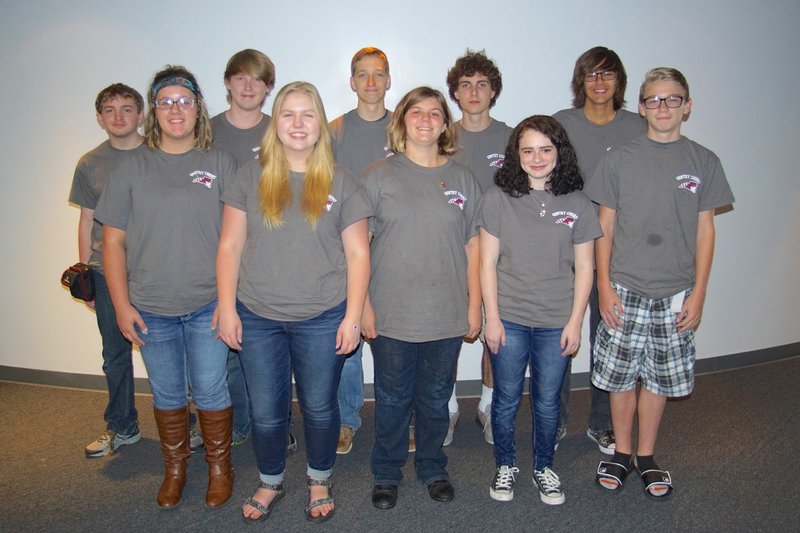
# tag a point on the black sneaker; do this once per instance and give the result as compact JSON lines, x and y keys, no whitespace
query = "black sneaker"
{"x":502,"y":488}
{"x":604,"y":440}
{"x":549,"y":486}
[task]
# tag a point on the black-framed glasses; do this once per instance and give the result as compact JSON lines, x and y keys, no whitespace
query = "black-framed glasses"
{"x":654,"y":102}
{"x":183,"y":103}
{"x":606,"y":75}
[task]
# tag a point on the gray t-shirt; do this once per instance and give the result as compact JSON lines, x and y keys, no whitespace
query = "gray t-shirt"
{"x":658,"y":190}
{"x":423,"y":220}
{"x":170,"y":207}
{"x":357,"y":143}
{"x":591,"y":141}
{"x":243,"y":145}
{"x":295,"y":272}
{"x":91,"y":177}
{"x":483,"y":152}
{"x":535,"y":277}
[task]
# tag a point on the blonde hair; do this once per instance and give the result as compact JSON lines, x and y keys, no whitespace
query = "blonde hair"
{"x":447,"y":142}
{"x":274,"y":191}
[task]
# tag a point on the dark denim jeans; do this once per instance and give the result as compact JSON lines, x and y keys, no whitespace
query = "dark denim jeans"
{"x":539,"y":347}
{"x":120,"y":414}
{"x":410,"y":376}
{"x":240,"y":399}
{"x":271,"y":350}
{"x":600,"y":409}
{"x":179,"y":346}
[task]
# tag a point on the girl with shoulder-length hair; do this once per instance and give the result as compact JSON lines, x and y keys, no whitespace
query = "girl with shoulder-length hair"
{"x":537,"y":232}
{"x":424,"y":295}
{"x":161,"y":216}
{"x":292,"y":271}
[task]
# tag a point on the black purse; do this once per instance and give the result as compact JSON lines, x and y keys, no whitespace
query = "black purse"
{"x":79,"y":279}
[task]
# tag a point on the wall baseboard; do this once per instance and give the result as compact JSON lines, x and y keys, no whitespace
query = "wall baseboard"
{"x":580,"y":380}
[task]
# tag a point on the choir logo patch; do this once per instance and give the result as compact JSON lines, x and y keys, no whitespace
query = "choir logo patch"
{"x":329,"y":204}
{"x":688,"y":182}
{"x":567,"y":218}
{"x":202,"y":177}
{"x":496,"y":160}
{"x":455,"y":198}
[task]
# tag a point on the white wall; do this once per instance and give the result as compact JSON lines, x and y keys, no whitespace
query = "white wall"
{"x":741,"y":59}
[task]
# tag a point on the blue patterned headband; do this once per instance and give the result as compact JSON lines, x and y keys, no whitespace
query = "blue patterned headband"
{"x":174,"y":80}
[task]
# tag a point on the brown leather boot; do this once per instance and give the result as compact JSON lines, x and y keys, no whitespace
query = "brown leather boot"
{"x":217,"y":426}
{"x":173,"y":430}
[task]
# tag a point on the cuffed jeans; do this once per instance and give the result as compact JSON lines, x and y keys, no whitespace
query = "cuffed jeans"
{"x":271,"y":350}
{"x":539,"y":347}
{"x":418,"y":376}
{"x":120,"y":414}
{"x":179,"y":346}
{"x":351,"y":389}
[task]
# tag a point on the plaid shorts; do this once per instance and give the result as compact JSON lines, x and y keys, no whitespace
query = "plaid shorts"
{"x":647,"y":346}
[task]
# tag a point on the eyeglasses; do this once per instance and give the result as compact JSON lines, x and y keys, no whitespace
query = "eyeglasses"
{"x":183,"y":103}
{"x":607,"y":75}
{"x":654,"y":102}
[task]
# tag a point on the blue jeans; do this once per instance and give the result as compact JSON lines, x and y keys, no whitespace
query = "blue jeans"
{"x":416,"y":376}
{"x":120,"y":414}
{"x":179,"y":346}
{"x":271,"y":350}
{"x":539,"y":347}
{"x":351,"y":389}
{"x":240,"y":399}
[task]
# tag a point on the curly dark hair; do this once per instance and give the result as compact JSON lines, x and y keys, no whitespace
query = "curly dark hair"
{"x":565,"y":178}
{"x":470,"y":64}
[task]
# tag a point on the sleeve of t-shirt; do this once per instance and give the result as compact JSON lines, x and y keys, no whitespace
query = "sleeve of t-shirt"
{"x":114,"y":207}
{"x":489,"y":217}
{"x":715,"y":190}
{"x":227,"y":168}
{"x":372,"y":192}
{"x":81,"y":192}
{"x":601,"y":189}
{"x":472,"y":206}
{"x":587,"y":227}
{"x":238,"y":185}
{"x":355,"y":205}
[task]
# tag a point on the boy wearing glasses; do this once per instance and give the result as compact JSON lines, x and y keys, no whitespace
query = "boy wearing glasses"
{"x":120,"y":112}
{"x":474,"y":83}
{"x":657,"y":196}
{"x":359,"y":139}
{"x":596,"y":123}
{"x":249,"y":78}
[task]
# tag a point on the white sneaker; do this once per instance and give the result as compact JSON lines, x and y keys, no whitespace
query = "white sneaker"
{"x":451,"y":429}
{"x":502,"y":488}
{"x":485,"y":420}
{"x":549,"y":486}
{"x":108,"y":441}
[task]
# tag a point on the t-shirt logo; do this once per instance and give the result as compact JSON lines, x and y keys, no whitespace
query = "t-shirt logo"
{"x":329,"y":204}
{"x":496,"y":160}
{"x":568,"y":218}
{"x":688,"y":182}
{"x":456,"y":198}
{"x":256,"y":149}
{"x":202,"y":176}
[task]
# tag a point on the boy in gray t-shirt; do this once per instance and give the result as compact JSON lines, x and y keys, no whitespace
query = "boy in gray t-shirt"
{"x":594,"y":125}
{"x":474,"y":83}
{"x":249,"y":78}
{"x":359,"y":139}
{"x":657,"y":196}
{"x":120,"y":112}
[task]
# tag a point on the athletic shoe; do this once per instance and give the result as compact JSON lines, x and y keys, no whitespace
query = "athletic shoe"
{"x":291,"y":444}
{"x":195,"y":438}
{"x":412,"y":444}
{"x":502,"y":488}
{"x":560,"y":434}
{"x":108,"y":441}
{"x":485,"y":420}
{"x":549,"y":486}
{"x":345,"y":444}
{"x":236,"y":440}
{"x":604,"y":440}
{"x":451,"y":429}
